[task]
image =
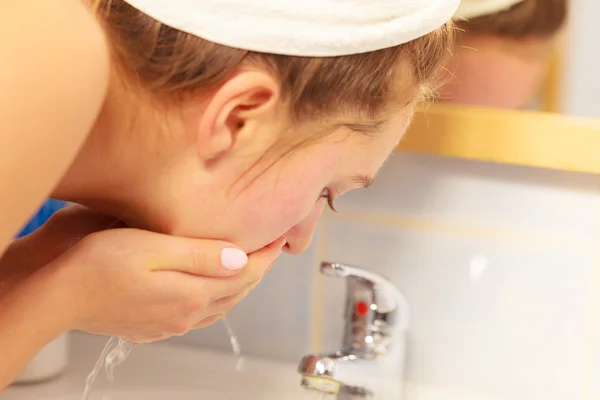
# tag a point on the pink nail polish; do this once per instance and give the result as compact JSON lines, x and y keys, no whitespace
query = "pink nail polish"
{"x":233,"y":259}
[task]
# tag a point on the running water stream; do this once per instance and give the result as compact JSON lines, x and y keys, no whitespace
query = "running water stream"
{"x":117,"y":350}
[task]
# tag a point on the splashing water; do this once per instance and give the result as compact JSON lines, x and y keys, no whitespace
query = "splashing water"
{"x":113,"y":354}
{"x":117,"y":350}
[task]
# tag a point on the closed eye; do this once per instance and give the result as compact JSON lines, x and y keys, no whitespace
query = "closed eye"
{"x":326,"y":193}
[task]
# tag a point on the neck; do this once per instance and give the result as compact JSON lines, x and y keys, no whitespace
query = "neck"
{"x":107,"y":172}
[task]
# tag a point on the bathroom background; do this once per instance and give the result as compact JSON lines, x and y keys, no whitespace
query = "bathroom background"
{"x":500,"y":264}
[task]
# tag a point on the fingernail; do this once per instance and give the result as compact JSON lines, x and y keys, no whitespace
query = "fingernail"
{"x":233,"y":259}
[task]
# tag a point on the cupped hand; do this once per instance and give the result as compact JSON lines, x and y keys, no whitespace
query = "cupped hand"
{"x":144,"y":286}
{"x":138,"y":285}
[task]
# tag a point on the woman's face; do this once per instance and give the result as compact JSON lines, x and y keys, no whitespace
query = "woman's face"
{"x":490,"y":71}
{"x":277,"y":194}
{"x":226,"y":167}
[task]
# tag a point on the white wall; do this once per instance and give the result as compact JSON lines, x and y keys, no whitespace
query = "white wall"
{"x":498,"y":263}
{"x":581,"y":84}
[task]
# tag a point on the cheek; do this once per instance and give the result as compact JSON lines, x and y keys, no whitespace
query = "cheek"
{"x":304,"y":230}
{"x":495,"y":79}
{"x":269,"y":210}
{"x":282,"y":197}
{"x":284,"y":209}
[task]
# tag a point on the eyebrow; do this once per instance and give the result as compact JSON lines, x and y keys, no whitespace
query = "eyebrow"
{"x":363,"y":180}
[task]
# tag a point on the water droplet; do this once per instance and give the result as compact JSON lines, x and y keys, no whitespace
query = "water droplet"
{"x":235,"y":345}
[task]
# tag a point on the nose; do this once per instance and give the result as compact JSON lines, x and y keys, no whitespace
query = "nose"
{"x":300,"y":236}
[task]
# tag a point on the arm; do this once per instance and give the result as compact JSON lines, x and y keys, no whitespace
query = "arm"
{"x":178,"y":284}
{"x":54,"y":69}
{"x":31,"y":315}
{"x":61,"y":232}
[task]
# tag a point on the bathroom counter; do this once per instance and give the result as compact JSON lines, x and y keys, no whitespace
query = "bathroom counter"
{"x":166,"y":371}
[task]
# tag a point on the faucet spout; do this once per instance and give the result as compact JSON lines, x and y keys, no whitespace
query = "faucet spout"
{"x":372,"y":354}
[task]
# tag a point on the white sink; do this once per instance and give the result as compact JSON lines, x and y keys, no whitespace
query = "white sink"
{"x":178,"y":394}
{"x":169,"y":372}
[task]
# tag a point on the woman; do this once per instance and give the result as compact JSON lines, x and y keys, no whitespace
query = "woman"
{"x":202,"y":120}
{"x":503,"y":51}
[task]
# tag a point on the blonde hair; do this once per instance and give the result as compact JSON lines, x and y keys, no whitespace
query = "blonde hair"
{"x":171,"y":63}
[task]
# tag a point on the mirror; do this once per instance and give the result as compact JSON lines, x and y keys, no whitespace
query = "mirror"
{"x":507,"y":54}
{"x":522,"y":87}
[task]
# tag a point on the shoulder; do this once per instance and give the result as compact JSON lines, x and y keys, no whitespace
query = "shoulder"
{"x":59,"y":41}
{"x":54,"y":64}
{"x":54,"y":74}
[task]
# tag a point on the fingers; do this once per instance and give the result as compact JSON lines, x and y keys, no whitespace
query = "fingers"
{"x":210,"y":258}
{"x":221,"y":295}
{"x":207,"y":258}
{"x":188,"y":282}
{"x":214,"y":298}
{"x":208,"y":321}
{"x":219,"y":309}
{"x":224,"y":305}
{"x":259,"y":263}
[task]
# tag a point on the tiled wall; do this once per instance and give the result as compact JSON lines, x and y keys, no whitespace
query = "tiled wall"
{"x":499,"y":264}
{"x":581,"y":82}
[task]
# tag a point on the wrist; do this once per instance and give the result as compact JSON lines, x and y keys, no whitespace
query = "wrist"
{"x":43,"y":299}
{"x":30,"y":318}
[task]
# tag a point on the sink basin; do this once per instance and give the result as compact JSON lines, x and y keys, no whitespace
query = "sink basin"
{"x":164,"y":371}
{"x":146,"y":394}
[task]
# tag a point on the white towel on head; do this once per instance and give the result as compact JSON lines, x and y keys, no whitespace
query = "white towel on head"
{"x":311,"y":28}
{"x":478,"y":8}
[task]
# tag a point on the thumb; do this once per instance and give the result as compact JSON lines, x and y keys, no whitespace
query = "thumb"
{"x":261,"y":261}
{"x":265,"y":257}
{"x":201,"y":257}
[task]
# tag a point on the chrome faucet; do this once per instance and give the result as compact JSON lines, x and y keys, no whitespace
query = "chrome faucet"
{"x":370,"y":364}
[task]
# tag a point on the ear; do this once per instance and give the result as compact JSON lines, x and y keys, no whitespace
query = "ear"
{"x":238,"y":105}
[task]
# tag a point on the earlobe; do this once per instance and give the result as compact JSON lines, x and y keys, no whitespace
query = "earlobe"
{"x":235,"y":108}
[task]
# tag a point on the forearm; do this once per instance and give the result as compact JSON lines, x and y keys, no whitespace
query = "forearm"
{"x":17,"y":263}
{"x":31,"y":315}
{"x":37,"y":250}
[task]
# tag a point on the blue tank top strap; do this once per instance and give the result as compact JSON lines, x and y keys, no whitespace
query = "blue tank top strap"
{"x":41,"y":216}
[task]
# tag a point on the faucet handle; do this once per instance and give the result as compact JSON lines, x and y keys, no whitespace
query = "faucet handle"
{"x":375,"y":309}
{"x":385,"y":296}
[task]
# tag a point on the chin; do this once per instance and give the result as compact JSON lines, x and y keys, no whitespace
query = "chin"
{"x":251,"y":245}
